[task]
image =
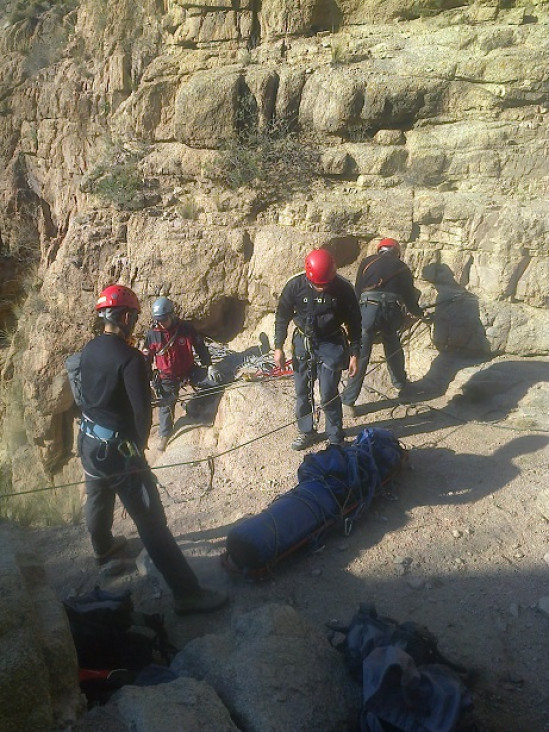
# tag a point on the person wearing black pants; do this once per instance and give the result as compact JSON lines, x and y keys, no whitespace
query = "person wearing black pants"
{"x":323,"y":361}
{"x":114,"y":430}
{"x":130,"y":478}
{"x":326,"y":340}
{"x":385,"y":287}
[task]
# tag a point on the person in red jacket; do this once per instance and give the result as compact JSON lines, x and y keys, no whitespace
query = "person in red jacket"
{"x":170,"y":346}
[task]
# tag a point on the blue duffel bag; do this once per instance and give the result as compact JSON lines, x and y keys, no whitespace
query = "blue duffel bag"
{"x":334,"y":486}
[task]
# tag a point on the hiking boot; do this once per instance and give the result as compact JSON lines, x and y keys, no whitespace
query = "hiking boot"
{"x":162,"y":444}
{"x":304,"y":440}
{"x":203,"y":600}
{"x":118,"y":543}
{"x":349,"y":410}
{"x":336,"y":442}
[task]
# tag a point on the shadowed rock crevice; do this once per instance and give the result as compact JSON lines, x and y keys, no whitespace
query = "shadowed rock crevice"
{"x":326,"y":16}
{"x":254,"y":39}
{"x":345,"y":249}
{"x":225,"y":319}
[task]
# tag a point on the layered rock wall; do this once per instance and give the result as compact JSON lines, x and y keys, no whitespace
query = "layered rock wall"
{"x":198,"y":150}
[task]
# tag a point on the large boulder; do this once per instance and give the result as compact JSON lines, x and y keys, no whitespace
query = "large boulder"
{"x":299,"y":682}
{"x":183,"y":704}
{"x":206,"y":107}
{"x":38,"y":668}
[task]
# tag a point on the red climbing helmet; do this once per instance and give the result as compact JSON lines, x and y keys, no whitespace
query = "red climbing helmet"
{"x":389,"y":245}
{"x":320,"y":267}
{"x":118,"y":296}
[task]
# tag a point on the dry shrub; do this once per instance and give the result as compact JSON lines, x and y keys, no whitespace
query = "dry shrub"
{"x":273,"y":160}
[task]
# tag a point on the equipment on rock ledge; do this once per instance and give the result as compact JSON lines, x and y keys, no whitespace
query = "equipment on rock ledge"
{"x":262,"y":367}
{"x":335,"y":486}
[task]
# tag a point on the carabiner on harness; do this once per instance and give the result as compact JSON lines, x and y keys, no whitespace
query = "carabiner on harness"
{"x":127,"y":449}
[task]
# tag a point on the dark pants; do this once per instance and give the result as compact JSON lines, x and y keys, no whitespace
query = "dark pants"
{"x":383,"y":319}
{"x":325,"y":362}
{"x":108,"y":474}
{"x":168,"y":392}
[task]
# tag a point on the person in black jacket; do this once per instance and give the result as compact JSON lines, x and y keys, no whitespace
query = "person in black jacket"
{"x":320,"y":302}
{"x":114,"y":430}
{"x":384,"y":287}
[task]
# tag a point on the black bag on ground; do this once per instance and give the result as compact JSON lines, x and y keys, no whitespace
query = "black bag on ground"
{"x":109,"y":634}
{"x":399,"y":695}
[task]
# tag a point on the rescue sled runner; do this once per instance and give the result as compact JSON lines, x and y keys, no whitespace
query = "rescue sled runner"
{"x":335,"y":486}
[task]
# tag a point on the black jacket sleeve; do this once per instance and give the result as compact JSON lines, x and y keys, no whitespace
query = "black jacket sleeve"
{"x":352,"y":320}
{"x":136,"y":382}
{"x":358,"y":281}
{"x":284,"y":312}
{"x":201,"y":349}
{"x":410,"y":294}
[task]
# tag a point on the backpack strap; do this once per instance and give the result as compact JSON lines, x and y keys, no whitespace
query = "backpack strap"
{"x":381,"y":281}
{"x":170,"y":343}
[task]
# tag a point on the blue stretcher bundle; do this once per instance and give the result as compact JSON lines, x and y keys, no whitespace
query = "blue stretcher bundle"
{"x":334,"y":486}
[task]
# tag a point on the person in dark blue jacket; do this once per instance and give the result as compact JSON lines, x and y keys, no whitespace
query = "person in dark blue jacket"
{"x":385,"y":288}
{"x":326,"y":340}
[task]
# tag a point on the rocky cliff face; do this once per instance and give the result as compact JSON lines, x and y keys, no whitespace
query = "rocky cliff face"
{"x":198,"y":150}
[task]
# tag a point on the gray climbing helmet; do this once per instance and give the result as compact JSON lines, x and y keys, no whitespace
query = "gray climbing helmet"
{"x":162,"y":307}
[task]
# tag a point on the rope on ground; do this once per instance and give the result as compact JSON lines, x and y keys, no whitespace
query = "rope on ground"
{"x":211,"y":458}
{"x":208,"y":459}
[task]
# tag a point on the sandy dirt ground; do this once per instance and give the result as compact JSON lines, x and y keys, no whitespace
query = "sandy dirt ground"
{"x":457,"y":542}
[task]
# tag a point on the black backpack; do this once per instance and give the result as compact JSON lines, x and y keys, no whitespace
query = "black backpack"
{"x":368,"y":631}
{"x":115,"y":644}
{"x":72,"y":365}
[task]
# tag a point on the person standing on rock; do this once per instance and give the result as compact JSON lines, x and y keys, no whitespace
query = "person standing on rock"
{"x":385,"y":289}
{"x":325,"y":341}
{"x":116,"y":420}
{"x":169,"y":348}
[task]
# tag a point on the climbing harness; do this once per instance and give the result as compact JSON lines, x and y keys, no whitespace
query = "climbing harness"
{"x":92,"y":429}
